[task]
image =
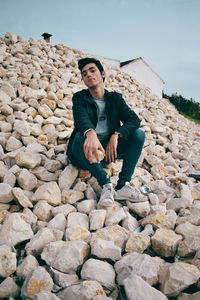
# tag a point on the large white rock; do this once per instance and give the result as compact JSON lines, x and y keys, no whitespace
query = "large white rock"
{"x":9,"y":288}
{"x":42,"y":238}
{"x":38,"y":280}
{"x":86,"y":290}
{"x":6,"y":194}
{"x":142,"y":265}
{"x":105,"y":249}
{"x":65,"y":256}
{"x":27,"y":159}
{"x":28,"y":264}
{"x":15,"y":230}
{"x":50,"y":192}
{"x":101,"y":271}
{"x":27,"y":180}
{"x":67,"y":177}
{"x":8,"y":261}
{"x":137,"y":288}
{"x":97,"y":218}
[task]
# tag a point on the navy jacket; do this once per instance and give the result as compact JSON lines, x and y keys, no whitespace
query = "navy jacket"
{"x":119,"y":115}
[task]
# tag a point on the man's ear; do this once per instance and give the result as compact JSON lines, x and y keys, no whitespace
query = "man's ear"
{"x":103,"y":74}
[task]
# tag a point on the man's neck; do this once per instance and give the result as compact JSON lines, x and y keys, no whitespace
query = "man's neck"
{"x":97,"y":92}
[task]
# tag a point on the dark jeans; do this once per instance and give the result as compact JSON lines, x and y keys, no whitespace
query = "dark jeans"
{"x":129,"y":150}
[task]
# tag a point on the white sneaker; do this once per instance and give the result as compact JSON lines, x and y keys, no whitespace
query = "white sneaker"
{"x":130,"y":193}
{"x":107,"y":199}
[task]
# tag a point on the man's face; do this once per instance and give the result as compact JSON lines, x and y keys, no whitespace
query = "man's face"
{"x":92,"y":76}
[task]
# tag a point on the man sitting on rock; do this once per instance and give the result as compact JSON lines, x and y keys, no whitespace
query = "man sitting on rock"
{"x":104,"y":122}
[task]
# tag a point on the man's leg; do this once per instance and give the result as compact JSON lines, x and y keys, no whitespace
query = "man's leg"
{"x":130,"y":150}
{"x":95,"y":169}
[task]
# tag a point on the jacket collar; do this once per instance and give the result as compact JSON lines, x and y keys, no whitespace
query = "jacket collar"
{"x":89,"y":97}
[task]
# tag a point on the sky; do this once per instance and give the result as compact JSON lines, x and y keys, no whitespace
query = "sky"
{"x":165,"y":33}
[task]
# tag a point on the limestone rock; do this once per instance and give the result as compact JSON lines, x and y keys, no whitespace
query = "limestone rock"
{"x":27,"y":159}
{"x":86,"y":290}
{"x":27,"y":180}
{"x":65,"y":256}
{"x":103,"y":272}
{"x":8,"y":288}
{"x":97,"y":218}
{"x":28,"y":264}
{"x":49,"y":192}
{"x":8,"y":261}
{"x":67,"y":177}
{"x":6,"y":194}
{"x":42,"y":238}
{"x":142,"y":265}
{"x":38,"y":280}
{"x":105,"y":249}
{"x":165,"y":242}
{"x":15,"y":230}
{"x":137,"y":288}
{"x":177,"y":277}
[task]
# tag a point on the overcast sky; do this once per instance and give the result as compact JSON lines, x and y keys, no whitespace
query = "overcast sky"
{"x":165,"y":33}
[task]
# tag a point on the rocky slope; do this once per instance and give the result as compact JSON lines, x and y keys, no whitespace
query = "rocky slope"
{"x":55,"y":243}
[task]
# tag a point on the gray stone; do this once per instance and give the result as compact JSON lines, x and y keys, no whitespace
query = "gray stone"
{"x":101,"y":271}
{"x":38,"y":280}
{"x":6,"y":194}
{"x":8,"y":288}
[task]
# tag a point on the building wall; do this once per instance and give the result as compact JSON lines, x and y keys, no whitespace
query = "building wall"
{"x":144,"y":75}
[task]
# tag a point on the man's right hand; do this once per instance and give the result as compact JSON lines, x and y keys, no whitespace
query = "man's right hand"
{"x":91,"y":146}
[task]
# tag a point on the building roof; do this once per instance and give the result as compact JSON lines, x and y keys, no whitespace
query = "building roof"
{"x":124,"y":63}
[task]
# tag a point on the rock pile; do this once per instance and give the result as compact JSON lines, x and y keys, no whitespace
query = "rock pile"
{"x":55,"y":243}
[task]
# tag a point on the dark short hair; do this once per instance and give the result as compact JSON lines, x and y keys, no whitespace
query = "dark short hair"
{"x":88,"y":60}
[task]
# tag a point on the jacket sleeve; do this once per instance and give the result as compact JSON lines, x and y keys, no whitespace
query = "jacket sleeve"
{"x":130,"y":120}
{"x":82,"y":121}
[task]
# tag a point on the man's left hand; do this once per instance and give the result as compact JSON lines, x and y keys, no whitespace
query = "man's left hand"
{"x":111,"y":149}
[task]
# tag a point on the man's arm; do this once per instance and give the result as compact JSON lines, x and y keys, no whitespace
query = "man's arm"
{"x":91,"y":146}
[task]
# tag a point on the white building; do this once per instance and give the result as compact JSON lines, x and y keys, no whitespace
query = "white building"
{"x":140,"y":70}
{"x":144,"y":74}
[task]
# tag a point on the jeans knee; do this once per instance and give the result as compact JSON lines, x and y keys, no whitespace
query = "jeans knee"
{"x":139,"y":136}
{"x":77,"y":142}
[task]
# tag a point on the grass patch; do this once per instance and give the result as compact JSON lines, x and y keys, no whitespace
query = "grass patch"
{"x":190,"y":118}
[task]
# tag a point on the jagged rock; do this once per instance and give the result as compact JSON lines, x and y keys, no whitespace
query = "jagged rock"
{"x":165,"y":242}
{"x":28,"y":264}
{"x":114,"y":215}
{"x":8,"y":261}
{"x":185,"y":296}
{"x":15,"y":230}
{"x":67,"y":177}
{"x":27,"y":180}
{"x":115,"y":233}
{"x":27,"y":159}
{"x":65,"y":209}
{"x":137,"y":242}
{"x":21,"y":197}
{"x":43,"y":210}
{"x":86,"y":206}
{"x":176,"y":277}
{"x":130,"y":223}
{"x":137,"y":288}
{"x":65,"y":256}
{"x":142,"y":265}
{"x":13,"y":144}
{"x":43,"y":237}
{"x":45,"y":296}
{"x":8,"y":288}
{"x":64,"y":280}
{"x":105,"y":249}
{"x":97,"y":218}
{"x":142,"y":209}
{"x":9,"y":178}
{"x":101,"y":271}
{"x":38,"y":280}
{"x":6,"y":194}
{"x":86,"y":290}
{"x":58,"y":222}
{"x":49,"y":192}
{"x":70,"y":196}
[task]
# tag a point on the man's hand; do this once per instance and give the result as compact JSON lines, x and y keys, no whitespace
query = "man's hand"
{"x":111,"y":149}
{"x":91,"y":146}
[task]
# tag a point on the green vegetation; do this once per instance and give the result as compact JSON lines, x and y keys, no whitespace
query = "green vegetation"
{"x":188,"y":108}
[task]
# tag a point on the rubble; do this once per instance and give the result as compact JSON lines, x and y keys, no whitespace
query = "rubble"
{"x":55,"y":243}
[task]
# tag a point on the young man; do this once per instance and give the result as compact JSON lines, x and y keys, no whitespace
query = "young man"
{"x":104,"y":122}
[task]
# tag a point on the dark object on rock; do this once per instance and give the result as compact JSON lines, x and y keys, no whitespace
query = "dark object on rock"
{"x":46,"y":36}
{"x":195,"y":176}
